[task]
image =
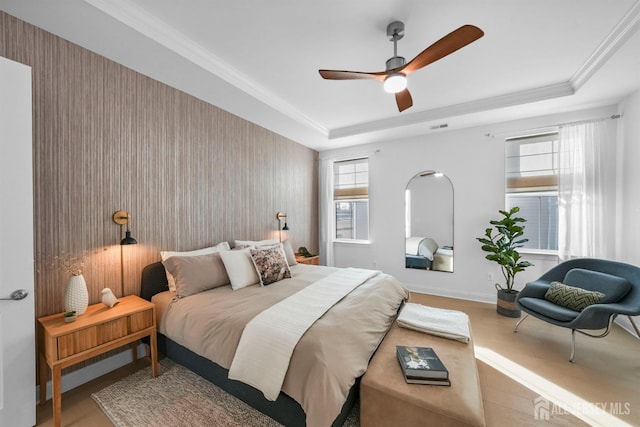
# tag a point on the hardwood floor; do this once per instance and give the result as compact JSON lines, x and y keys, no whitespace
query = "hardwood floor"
{"x":518,"y":368}
{"x":516,"y":371}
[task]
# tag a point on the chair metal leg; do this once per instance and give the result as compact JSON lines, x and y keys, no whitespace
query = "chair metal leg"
{"x":635,"y":327}
{"x":573,"y":333}
{"x":520,"y":321}
{"x":602,"y":335}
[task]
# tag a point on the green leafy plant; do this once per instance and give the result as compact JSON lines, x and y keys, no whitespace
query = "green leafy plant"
{"x":69,"y":313}
{"x":304,"y":252}
{"x":501,"y":241}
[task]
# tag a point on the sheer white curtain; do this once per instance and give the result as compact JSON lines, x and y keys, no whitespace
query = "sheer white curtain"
{"x":327,"y":217}
{"x":587,"y":190}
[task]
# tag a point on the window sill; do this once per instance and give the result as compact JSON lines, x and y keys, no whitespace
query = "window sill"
{"x":352,"y":242}
{"x":543,"y":252}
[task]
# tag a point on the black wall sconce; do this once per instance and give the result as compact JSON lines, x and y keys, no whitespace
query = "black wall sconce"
{"x":123,"y":218}
{"x":280,"y":216}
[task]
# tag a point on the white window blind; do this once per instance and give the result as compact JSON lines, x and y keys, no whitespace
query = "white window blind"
{"x":541,"y":212}
{"x":532,"y":163}
{"x":351,"y":198}
{"x":532,"y":185}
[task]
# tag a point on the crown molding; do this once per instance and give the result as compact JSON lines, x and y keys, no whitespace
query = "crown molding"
{"x":622,"y":32}
{"x":159,"y":31}
{"x":155,"y":29}
{"x":628,"y":25}
{"x":492,"y":103}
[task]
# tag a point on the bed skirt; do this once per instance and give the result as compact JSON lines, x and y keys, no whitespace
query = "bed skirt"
{"x":284,"y":409}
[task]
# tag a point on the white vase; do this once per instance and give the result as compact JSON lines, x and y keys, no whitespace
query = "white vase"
{"x":76,"y":296}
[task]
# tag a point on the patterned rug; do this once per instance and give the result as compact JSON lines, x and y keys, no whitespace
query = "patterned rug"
{"x":178,"y":397}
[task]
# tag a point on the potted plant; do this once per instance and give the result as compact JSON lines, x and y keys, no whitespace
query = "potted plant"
{"x":70,"y":316}
{"x":305,"y":252}
{"x":501,"y":241}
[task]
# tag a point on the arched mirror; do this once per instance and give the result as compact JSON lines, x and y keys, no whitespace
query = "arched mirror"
{"x":429,"y":222}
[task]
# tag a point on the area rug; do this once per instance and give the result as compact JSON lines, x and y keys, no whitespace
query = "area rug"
{"x":178,"y":397}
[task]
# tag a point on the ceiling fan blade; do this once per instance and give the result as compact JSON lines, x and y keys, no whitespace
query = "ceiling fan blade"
{"x":352,"y":75}
{"x":448,"y":44}
{"x":404,"y":100}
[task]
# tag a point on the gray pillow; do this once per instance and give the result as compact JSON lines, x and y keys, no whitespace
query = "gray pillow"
{"x":194,"y":274}
{"x":427,"y":248}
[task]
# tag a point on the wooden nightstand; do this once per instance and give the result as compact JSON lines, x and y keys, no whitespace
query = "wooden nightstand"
{"x":313,"y":260}
{"x":97,"y":331}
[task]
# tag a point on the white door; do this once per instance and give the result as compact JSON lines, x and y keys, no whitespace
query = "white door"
{"x":17,"y":318}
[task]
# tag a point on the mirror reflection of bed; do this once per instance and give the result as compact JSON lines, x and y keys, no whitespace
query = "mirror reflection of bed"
{"x":423,"y":253}
{"x":429,"y":222}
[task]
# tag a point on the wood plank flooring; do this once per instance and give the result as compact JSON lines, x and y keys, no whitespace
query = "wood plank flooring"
{"x":516,"y":371}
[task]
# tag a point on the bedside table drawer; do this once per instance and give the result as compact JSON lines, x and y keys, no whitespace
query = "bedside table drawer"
{"x":93,"y":336}
{"x":140,"y":321}
{"x":77,"y":342}
{"x":112,"y":330}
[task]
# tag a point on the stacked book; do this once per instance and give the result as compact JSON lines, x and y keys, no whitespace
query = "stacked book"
{"x":421,"y":365}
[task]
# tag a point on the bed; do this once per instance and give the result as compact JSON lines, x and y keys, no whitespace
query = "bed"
{"x":202,"y":331}
{"x":423,"y":253}
{"x":419,"y":252}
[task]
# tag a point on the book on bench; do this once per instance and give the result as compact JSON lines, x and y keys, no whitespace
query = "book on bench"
{"x":426,"y":381}
{"x":421,"y":364}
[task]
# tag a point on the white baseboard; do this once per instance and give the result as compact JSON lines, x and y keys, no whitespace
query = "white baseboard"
{"x":447,"y":293}
{"x":87,"y":373}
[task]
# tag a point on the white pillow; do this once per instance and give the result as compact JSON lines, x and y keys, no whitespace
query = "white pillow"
{"x":257,"y":243}
{"x":288,"y":253}
{"x":164,"y":255}
{"x":240,"y":268}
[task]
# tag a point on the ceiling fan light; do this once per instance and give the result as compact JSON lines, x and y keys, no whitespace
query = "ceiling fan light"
{"x":396,"y":82}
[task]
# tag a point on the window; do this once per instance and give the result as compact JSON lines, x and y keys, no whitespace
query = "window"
{"x":351,"y":199}
{"x":532,"y":185}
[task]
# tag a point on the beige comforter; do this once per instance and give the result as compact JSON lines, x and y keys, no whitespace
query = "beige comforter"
{"x":328,"y":358}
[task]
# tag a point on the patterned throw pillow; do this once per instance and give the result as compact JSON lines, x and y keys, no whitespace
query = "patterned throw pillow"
{"x":576,"y":299}
{"x":270,"y":265}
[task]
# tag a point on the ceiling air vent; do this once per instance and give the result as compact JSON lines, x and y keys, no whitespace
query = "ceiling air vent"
{"x":440,"y":126}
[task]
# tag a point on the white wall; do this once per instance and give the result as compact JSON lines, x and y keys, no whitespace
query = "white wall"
{"x":474,"y":162}
{"x":628,"y":227}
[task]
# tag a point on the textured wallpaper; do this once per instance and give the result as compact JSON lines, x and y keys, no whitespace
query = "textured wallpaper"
{"x":190,"y":174}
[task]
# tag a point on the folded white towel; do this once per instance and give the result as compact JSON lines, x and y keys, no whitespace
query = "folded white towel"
{"x":450,"y":324}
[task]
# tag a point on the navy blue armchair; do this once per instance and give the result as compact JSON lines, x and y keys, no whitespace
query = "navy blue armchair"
{"x":618,"y":282}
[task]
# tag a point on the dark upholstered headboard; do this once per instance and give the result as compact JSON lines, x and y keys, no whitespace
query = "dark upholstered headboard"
{"x":154,"y":280}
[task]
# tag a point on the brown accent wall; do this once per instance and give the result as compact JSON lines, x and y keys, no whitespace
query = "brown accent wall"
{"x":108,"y":138}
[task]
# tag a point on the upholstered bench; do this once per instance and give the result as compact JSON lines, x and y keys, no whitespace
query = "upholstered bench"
{"x":387,"y":400}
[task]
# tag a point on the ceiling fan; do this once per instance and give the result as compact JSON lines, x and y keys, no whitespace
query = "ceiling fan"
{"x":397,"y":70}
